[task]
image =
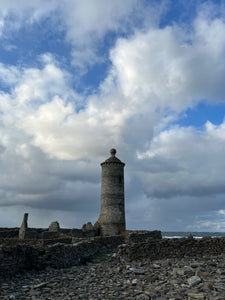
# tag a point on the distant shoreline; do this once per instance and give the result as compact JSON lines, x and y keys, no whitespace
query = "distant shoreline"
{"x":195,"y":234}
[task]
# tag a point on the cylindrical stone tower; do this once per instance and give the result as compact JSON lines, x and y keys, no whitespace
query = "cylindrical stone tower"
{"x":112,"y":215}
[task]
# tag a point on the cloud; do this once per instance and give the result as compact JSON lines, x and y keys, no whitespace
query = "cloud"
{"x":154,"y":77}
{"x":197,"y":157}
{"x":80,"y":20}
{"x":85,"y":23}
{"x":181,"y":176}
{"x":13,"y":16}
{"x":53,"y":138}
{"x":8,"y":74}
{"x":170,"y":67}
{"x":31,"y":180}
{"x":62,"y":133}
{"x":34,"y":183}
{"x":221,"y":212}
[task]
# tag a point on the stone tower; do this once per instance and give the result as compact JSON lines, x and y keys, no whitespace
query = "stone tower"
{"x":112,"y":215}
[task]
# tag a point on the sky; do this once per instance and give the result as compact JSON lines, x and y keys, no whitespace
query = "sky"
{"x":146,"y":77}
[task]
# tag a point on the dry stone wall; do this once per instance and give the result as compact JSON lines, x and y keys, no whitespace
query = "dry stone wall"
{"x":43,"y":233}
{"x":140,"y":237}
{"x":62,"y":256}
{"x":9,"y":232}
{"x":13,"y":259}
{"x":17,"y":258}
{"x":20,"y":257}
{"x":172,"y":248}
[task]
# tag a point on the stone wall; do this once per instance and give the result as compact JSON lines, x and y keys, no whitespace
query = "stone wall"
{"x":43,"y":233}
{"x":142,"y":236}
{"x":168,"y":248}
{"x":9,"y":232}
{"x":62,"y":256}
{"x":17,"y":258}
{"x":79,"y":233}
{"x":13,"y":259}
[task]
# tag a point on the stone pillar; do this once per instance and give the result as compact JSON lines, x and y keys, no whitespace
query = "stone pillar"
{"x":112,"y":215}
{"x":23,"y":227}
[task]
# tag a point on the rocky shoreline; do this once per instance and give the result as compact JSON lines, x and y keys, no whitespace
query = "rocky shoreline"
{"x":111,"y":277}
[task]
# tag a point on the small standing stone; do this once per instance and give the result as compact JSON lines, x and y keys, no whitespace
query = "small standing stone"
{"x":54,"y":227}
{"x":23,"y":227}
{"x":89,"y":226}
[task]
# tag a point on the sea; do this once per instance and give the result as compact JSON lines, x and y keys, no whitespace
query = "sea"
{"x":195,"y":234}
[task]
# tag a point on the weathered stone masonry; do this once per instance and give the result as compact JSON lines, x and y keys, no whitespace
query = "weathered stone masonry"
{"x":20,"y":257}
{"x":17,"y":256}
{"x":112,"y":214}
{"x":169,"y":248}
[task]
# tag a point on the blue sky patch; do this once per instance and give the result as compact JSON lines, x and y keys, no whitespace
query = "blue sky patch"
{"x":200,"y":114}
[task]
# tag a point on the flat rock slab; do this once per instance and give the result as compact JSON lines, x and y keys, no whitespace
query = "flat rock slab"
{"x":194,"y":280}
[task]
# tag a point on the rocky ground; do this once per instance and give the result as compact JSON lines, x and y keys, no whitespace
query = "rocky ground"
{"x":107,"y":277}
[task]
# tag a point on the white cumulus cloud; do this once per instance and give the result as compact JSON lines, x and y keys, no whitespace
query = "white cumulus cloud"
{"x":53,"y":138}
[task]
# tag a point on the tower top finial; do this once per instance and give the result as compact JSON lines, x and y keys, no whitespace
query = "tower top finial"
{"x":113,"y":152}
{"x":112,"y":159}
